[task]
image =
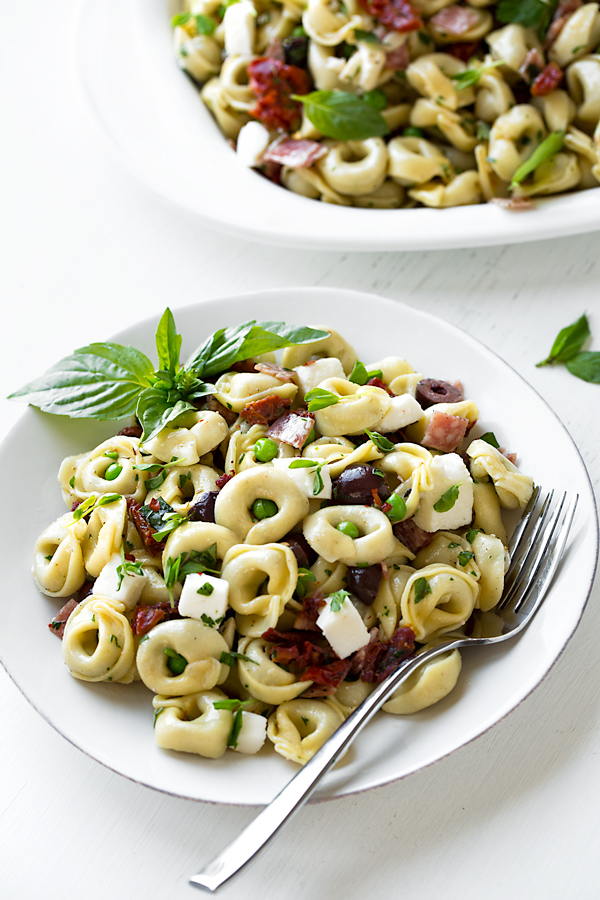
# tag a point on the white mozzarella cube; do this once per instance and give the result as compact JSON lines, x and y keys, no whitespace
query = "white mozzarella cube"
{"x":239,"y":25}
{"x":252,"y":734}
{"x":204,"y":595}
{"x":447,"y":470}
{"x":252,"y":142}
{"x":304,"y":477}
{"x":107,"y":583}
{"x":344,"y":628}
{"x":311,"y":375}
{"x":403,"y":411}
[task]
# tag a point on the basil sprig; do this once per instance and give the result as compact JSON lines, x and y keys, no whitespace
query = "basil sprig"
{"x":110,"y":381}
{"x":342,"y":115}
{"x":530,"y":13}
{"x":547,"y":149}
{"x":567,"y":349}
{"x":469,"y":77}
{"x":337,"y":600}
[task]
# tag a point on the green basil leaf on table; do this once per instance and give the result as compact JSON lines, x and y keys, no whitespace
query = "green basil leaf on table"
{"x":343,"y":116}
{"x":586,"y":366}
{"x":568,"y":343}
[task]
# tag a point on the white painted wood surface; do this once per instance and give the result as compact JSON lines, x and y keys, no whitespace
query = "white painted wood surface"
{"x":86,"y":250}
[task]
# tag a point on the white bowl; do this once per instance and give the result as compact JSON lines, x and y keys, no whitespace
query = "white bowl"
{"x":153,"y":116}
{"x":113,"y":723}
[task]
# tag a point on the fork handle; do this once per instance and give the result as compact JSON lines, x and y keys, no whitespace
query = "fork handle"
{"x":297,"y":791}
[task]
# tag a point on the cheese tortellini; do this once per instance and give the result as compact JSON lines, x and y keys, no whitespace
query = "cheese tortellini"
{"x":261,"y":571}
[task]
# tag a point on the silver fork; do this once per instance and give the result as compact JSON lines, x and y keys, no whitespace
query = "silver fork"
{"x":536,"y":549}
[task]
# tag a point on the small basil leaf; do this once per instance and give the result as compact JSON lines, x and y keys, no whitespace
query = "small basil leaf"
{"x":205,"y":25}
{"x":343,"y":116}
{"x":319,"y":398}
{"x":100,"y":381}
{"x":448,"y":499}
{"x":490,"y":438}
{"x":422,"y":588}
{"x":548,"y":148}
{"x":530,"y":13}
{"x":168,"y":343}
{"x":155,"y":412}
{"x":381,"y":442}
{"x":569,"y":342}
{"x":586,"y":366}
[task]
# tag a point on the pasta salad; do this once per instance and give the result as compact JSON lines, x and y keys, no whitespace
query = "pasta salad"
{"x":401,"y":103}
{"x":270,"y":538}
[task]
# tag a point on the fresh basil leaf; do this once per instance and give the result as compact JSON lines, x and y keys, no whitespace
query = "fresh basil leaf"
{"x":100,"y":381}
{"x":381,"y":442}
{"x":464,"y":556}
{"x":490,"y":438}
{"x":168,"y":343}
{"x":422,"y":588}
{"x":181,"y":19}
{"x":205,"y":25}
{"x":548,"y":148}
{"x":472,"y":534}
{"x":155,"y":412}
{"x":336,"y":600}
{"x":448,"y":499}
{"x":376,"y":99}
{"x":319,"y":398}
{"x":342,"y":115}
{"x":317,"y":483}
{"x":530,"y":13}
{"x":482,"y":131}
{"x":569,"y":342}
{"x":586,"y":366}
{"x":366,"y":36}
{"x":296,"y":334}
{"x":359,"y":374}
{"x":228,"y":659}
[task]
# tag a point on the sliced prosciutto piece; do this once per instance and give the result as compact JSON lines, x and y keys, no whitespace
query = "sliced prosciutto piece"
{"x":532,"y":65}
{"x":294,"y":154}
{"x":562,"y":14}
{"x":311,"y":607}
{"x":455,"y":19}
{"x":465,"y":50}
{"x":275,"y":371}
{"x":412,"y":536}
{"x":445,"y":432}
{"x":514,"y":204}
{"x":57,"y":625}
{"x":398,"y":15}
{"x":292,"y":428}
{"x":265,"y":411}
{"x":398,"y":58}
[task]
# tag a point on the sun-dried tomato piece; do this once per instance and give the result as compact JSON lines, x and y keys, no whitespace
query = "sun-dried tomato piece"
{"x":548,"y":80}
{"x":311,"y":609}
{"x":146,"y":617}
{"x":273,"y":82}
{"x":265,"y":411}
{"x":144,"y":528}
{"x":381,"y":658}
{"x":396,"y":14}
{"x":464,"y":50}
{"x":377,"y":382}
{"x":222,"y":480}
{"x":326,"y":679}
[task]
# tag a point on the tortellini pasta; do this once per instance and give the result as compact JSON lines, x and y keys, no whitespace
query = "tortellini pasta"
{"x":260,"y":572}
{"x":455,"y":102}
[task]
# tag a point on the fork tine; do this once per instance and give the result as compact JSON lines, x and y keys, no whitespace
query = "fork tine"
{"x":543,"y":558}
{"x":523,"y":521}
{"x":527,"y":540}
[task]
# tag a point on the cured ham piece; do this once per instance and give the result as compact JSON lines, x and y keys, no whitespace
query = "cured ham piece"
{"x":514,"y":204}
{"x":412,"y":536}
{"x":465,"y":50}
{"x":273,"y":82}
{"x":382,"y":658}
{"x":306,"y":620}
{"x":294,"y":154}
{"x":398,"y":15}
{"x":532,"y":65}
{"x":548,"y":80}
{"x":265,"y":411}
{"x":398,"y":58}
{"x":326,"y":679}
{"x":146,"y":617}
{"x":292,"y":428}
{"x":445,"y":432}
{"x":455,"y":19}
{"x":57,"y":625}
{"x":144,"y":528}
{"x":275,"y":371}
{"x":562,"y":14}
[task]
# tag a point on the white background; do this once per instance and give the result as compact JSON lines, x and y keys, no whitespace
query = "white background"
{"x":85,"y":251}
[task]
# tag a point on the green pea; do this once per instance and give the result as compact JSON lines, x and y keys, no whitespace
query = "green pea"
{"x":264,"y":509}
{"x":265,"y":450}
{"x":411,"y":131}
{"x":348,"y":528}
{"x":398,"y":510}
{"x":113,"y":471}
{"x":176,"y":663}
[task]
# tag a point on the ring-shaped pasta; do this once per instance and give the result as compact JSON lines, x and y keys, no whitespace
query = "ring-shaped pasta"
{"x":579,"y":35}
{"x":333,"y":449}
{"x":236,"y":389}
{"x":279,"y":25}
{"x":388,"y":195}
{"x":98,"y":644}
{"x":449,"y":549}
{"x":355,"y":167}
{"x":199,"y":56}
{"x":298,"y":728}
{"x":463,"y":190}
{"x":89,"y":476}
{"x":486,"y":510}
{"x":197,"y":537}
{"x":235,"y":86}
{"x":415,"y":160}
{"x":334,"y":345}
{"x":514,"y":489}
{"x":349,"y":695}
{"x":428,"y":685}
{"x":263,"y":678}
{"x":326,"y":27}
{"x":183,"y":484}
{"x":258,"y":605}
{"x":491,"y":559}
{"x":511,"y":44}
{"x":493,"y":96}
{"x":188,"y":438}
{"x":230,"y":121}
{"x":437,"y":599}
{"x":329,"y":577}
{"x":386,"y":605}
{"x":58,"y":568}
{"x":375,"y":541}
{"x":192,"y":724}
{"x":431,"y":75}
{"x":199,"y":645}
{"x":557,"y":109}
{"x":559,"y":173}
{"x":583,"y":81}
{"x":358,"y":407}
{"x":234,"y":504}
{"x":513,"y":138}
{"x":458,"y":130}
{"x":103,"y":535}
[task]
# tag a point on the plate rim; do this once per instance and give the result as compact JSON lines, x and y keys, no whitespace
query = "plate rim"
{"x":339,"y":294}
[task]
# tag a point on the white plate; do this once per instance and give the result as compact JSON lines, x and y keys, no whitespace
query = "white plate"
{"x":152,"y":115}
{"x":113,"y":723}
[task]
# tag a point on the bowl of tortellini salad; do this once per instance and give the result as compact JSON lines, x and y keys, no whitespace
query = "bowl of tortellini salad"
{"x":375,"y":124}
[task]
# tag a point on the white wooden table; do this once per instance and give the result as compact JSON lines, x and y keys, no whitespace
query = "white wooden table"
{"x":87,"y":250}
